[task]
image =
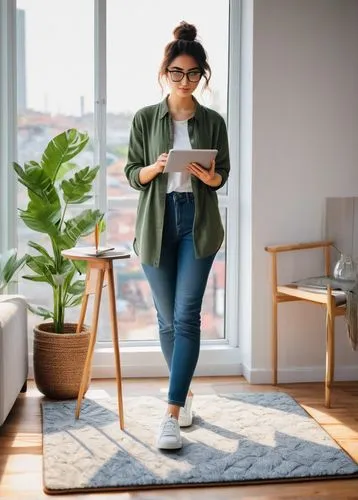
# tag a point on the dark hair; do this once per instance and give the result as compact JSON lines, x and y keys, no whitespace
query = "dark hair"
{"x":185,"y":42}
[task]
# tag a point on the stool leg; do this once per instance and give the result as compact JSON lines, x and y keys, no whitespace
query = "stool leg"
{"x":88,"y":362}
{"x":113,"y":315}
{"x":84,"y":304}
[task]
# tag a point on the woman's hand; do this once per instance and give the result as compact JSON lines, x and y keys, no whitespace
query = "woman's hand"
{"x":147,"y":174}
{"x":207,"y":176}
{"x":161,"y":162}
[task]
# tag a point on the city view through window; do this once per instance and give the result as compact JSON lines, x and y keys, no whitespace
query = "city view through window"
{"x":56,"y":67}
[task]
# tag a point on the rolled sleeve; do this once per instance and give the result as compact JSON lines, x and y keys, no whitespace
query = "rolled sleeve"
{"x":222,"y":163}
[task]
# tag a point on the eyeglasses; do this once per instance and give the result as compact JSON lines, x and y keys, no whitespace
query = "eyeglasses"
{"x":177,"y":76}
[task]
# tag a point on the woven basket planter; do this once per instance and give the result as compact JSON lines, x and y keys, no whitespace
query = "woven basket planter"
{"x":59,"y":359}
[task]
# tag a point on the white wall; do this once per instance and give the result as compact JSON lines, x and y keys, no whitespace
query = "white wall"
{"x":304,"y":149}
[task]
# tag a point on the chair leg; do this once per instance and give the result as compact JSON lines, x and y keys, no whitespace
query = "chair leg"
{"x":274,"y":318}
{"x":329,"y":356}
{"x":274,"y":341}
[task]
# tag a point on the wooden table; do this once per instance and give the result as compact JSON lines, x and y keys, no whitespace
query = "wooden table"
{"x":103,"y":267}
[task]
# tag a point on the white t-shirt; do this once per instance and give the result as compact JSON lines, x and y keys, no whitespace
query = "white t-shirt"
{"x":178,"y":181}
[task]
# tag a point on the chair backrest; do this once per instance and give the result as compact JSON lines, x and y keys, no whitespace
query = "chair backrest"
{"x":326,"y":245}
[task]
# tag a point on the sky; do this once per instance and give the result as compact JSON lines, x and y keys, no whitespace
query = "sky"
{"x":60,"y":50}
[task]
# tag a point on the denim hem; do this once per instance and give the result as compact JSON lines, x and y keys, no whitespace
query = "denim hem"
{"x":176,"y":403}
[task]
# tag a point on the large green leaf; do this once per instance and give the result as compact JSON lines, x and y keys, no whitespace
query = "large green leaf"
{"x":65,"y":266}
{"x":64,"y":169}
{"x":75,"y":293}
{"x":73,"y":301}
{"x":77,"y":287}
{"x":75,"y":189}
{"x":66,"y":271}
{"x":42,"y":217}
{"x":81,"y":225}
{"x":52,"y":272}
{"x":80,"y":265}
{"x":43,"y":267}
{"x":41,"y":311}
{"x":40,"y":186}
{"x":62,"y":149}
{"x":40,"y":279}
{"x":44,"y":209}
{"x":41,"y":250}
{"x":70,"y":276}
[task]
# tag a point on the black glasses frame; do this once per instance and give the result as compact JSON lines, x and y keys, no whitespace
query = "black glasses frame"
{"x":187,"y":73}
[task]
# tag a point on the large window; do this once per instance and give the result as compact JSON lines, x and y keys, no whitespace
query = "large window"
{"x":135,"y":47}
{"x":95,"y":70}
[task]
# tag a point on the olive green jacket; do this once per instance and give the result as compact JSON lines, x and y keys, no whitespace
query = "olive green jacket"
{"x":151,"y":135}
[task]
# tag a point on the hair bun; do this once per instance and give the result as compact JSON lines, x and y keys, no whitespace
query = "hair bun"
{"x":185,"y":31}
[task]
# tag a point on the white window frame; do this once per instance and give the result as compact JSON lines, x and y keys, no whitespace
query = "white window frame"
{"x":8,"y":125}
{"x":138,"y":359}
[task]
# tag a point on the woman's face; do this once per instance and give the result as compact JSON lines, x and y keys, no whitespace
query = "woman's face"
{"x":183,"y":75}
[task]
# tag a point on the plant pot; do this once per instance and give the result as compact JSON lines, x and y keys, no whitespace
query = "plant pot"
{"x":59,"y":360}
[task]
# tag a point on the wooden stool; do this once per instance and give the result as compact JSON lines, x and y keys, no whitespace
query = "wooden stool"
{"x":100,"y":265}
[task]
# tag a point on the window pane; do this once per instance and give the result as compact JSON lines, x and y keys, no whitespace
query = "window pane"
{"x":136,"y":49}
{"x":132,"y":74}
{"x":134,"y":56}
{"x":55,"y":60}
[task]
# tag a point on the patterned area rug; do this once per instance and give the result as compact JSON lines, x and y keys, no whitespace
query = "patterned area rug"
{"x":235,"y":438}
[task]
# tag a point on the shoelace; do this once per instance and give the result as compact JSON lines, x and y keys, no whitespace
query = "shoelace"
{"x":169,"y":427}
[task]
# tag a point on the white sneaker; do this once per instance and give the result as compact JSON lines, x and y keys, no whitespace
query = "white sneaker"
{"x":186,"y":413}
{"x":169,"y":434}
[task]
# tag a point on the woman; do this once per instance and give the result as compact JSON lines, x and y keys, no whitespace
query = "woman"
{"x":178,"y":226}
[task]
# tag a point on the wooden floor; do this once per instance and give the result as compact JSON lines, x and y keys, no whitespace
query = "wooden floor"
{"x":21,"y":450}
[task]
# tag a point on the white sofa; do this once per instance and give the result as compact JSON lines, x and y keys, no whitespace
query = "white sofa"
{"x":13,"y":351}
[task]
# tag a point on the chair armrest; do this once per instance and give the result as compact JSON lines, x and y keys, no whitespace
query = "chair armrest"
{"x":298,"y":246}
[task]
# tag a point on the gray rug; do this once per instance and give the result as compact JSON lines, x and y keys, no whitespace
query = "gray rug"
{"x":235,"y":438}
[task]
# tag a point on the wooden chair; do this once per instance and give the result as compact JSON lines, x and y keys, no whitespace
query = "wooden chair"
{"x":333,"y":301}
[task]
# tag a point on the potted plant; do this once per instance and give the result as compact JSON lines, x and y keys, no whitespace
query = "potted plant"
{"x":9,"y":266}
{"x":53,"y":184}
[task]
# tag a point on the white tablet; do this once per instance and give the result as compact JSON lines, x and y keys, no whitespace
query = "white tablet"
{"x":178,"y":159}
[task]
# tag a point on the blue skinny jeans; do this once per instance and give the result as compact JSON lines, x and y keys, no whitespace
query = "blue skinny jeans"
{"x":178,"y":286}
